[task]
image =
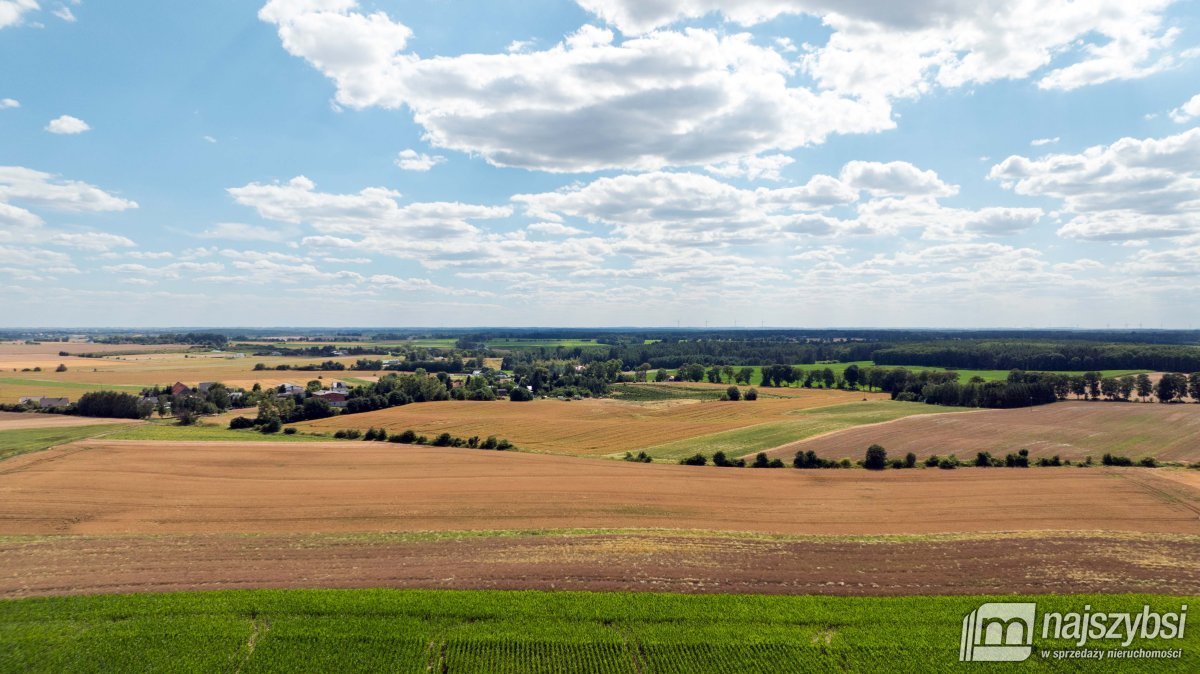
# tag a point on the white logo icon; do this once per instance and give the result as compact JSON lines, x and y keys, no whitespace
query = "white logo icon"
{"x":998,"y":632}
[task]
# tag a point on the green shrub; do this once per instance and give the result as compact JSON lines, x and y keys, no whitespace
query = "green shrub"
{"x":876,"y":458}
{"x":273,"y":425}
{"x":1018,"y":460}
{"x":1148,"y":462}
{"x":760,"y":461}
{"x":948,"y":463}
{"x":1116,"y":460}
{"x":720,"y":459}
{"x":932,"y":461}
{"x":695,"y":460}
{"x":290,"y":430}
{"x":443,"y":440}
{"x":238,"y":423}
{"x":910,"y":460}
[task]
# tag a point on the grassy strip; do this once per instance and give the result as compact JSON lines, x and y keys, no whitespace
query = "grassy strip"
{"x":81,"y":386}
{"x":170,"y":431}
{"x":26,"y":440}
{"x":490,"y":631}
{"x":807,"y":424}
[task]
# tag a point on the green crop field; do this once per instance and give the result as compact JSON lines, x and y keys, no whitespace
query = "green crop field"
{"x":72,"y":385}
{"x":494,"y":631}
{"x":26,"y":440}
{"x":807,"y":423}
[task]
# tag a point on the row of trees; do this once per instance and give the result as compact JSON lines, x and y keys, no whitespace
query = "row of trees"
{"x":1042,"y":355}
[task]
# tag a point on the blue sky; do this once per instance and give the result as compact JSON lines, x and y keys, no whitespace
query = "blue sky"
{"x":578,"y":162}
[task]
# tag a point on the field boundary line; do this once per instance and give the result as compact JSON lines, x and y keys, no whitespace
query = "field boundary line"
{"x":60,"y":455}
{"x":860,"y":427}
{"x":1162,"y":492}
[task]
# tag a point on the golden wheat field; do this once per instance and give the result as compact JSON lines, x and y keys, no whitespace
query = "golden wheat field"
{"x":132,"y":371}
{"x":592,"y":427}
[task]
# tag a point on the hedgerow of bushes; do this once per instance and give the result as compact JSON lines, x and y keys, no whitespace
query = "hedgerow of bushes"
{"x":876,"y":459}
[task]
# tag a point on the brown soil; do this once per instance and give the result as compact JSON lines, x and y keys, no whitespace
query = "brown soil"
{"x":100,"y":487}
{"x":1072,"y":430}
{"x":639,"y":561}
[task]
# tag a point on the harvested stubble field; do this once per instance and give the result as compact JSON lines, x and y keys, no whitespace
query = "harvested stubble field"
{"x":1072,"y":430}
{"x":126,"y":487}
{"x":103,"y":515}
{"x":14,"y":421}
{"x":53,"y":348}
{"x":134,"y":371}
{"x":592,"y":427}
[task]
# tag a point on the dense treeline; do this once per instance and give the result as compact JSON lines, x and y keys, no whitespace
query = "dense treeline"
{"x":1046,"y":356}
{"x":112,"y":404}
{"x":214,"y":340}
{"x":673,"y":354}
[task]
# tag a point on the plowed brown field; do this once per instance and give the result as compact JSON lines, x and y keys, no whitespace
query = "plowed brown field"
{"x":1072,"y":430}
{"x":638,"y":560}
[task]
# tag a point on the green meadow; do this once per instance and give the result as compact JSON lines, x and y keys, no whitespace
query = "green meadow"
{"x":26,"y":440}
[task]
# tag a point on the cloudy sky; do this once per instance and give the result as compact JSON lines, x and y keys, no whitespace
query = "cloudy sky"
{"x":959,"y":163}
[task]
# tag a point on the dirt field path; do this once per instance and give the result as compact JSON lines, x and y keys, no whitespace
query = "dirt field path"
{"x":101,"y":487}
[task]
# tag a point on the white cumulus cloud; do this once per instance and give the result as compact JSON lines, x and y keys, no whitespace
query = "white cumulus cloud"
{"x":590,"y":102}
{"x":1187,"y":112}
{"x":411,"y":160}
{"x":1131,"y":189}
{"x":12,"y":11}
{"x":67,"y":125}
